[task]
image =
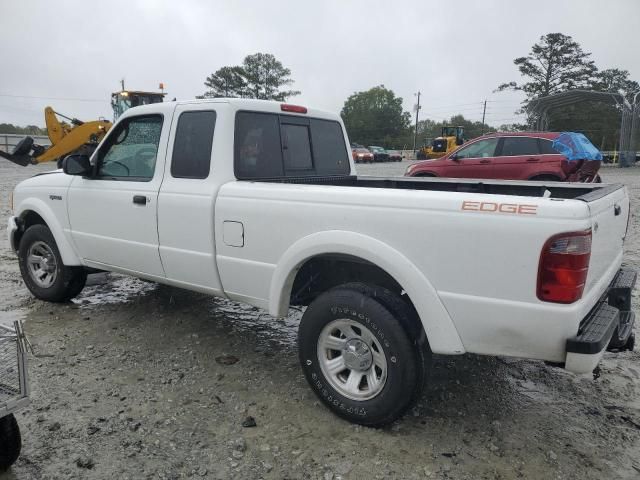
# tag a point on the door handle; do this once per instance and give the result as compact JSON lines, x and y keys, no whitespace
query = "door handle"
{"x":485,"y":161}
{"x":617,"y":209}
{"x":140,"y":199}
{"x":533,"y":159}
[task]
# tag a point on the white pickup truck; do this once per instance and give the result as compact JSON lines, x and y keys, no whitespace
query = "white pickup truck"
{"x":259,"y":202}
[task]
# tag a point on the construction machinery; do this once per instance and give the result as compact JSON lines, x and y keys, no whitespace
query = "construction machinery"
{"x":451,"y":138}
{"x":76,"y":136}
{"x":125,"y":99}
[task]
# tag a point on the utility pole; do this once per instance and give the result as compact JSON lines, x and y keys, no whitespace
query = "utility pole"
{"x":484,"y":111}
{"x":415,"y":132}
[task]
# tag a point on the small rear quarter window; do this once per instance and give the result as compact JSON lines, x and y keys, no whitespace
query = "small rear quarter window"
{"x":192,"y":145}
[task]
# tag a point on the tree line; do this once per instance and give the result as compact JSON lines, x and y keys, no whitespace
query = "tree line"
{"x":555,"y":64}
{"x":28,"y":130}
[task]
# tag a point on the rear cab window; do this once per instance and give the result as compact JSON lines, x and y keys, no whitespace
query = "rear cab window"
{"x":270,"y":145}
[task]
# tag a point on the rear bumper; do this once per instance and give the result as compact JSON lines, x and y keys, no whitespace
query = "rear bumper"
{"x":608,"y":326}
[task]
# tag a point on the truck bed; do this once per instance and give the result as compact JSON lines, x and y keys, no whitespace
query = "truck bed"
{"x":579,"y":191}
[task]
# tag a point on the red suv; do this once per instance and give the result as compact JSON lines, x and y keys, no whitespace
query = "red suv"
{"x":505,"y":156}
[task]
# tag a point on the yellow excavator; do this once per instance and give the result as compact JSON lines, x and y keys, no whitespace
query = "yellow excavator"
{"x":76,"y":136}
{"x":450,"y":139}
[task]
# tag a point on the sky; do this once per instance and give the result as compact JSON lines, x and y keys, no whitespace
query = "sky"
{"x":72,"y":54}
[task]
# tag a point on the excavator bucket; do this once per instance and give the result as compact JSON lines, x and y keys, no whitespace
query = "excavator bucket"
{"x":22,"y":160}
{"x":21,"y":153}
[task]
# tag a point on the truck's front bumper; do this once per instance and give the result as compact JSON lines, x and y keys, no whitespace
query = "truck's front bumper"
{"x":609,"y":326}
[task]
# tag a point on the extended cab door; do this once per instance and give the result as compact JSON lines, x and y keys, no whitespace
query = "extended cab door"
{"x":113,"y":214}
{"x":472,"y":161}
{"x":187,"y":199}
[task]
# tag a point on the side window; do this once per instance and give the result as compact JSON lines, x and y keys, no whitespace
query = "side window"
{"x":269,"y":145}
{"x":257,"y":148}
{"x":516,"y":146}
{"x":192,"y":145}
{"x":130,"y":150}
{"x":296,"y":147}
{"x":329,"y":151}
{"x":546,"y":147}
{"x":479,"y":149}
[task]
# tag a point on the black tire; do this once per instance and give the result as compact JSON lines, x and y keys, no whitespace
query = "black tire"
{"x":69,"y":281}
{"x":425,"y":175}
{"x":10,"y":442}
{"x":408,"y":318}
{"x":390,"y":321}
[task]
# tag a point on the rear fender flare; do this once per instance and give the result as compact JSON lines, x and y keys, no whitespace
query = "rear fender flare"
{"x":439,"y":328}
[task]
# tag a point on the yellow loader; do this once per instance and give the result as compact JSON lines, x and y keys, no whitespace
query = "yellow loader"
{"x":76,"y":136}
{"x":451,"y":138}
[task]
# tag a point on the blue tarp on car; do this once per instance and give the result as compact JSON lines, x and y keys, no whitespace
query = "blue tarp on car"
{"x":575,"y":146}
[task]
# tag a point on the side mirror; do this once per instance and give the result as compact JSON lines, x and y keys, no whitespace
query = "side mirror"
{"x":454,"y":157}
{"x":76,"y":165}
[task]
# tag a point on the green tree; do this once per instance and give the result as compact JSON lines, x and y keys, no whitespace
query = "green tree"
{"x":261,"y":76}
{"x":513,"y":127}
{"x":555,"y":64}
{"x":265,"y":76}
{"x":616,"y":81}
{"x":226,"y":82}
{"x":375,"y":117}
{"x":28,"y":130}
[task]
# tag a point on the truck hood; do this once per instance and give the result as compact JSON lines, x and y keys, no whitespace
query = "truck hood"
{"x":54,"y":178}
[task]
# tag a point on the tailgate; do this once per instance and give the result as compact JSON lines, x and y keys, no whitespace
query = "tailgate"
{"x":609,"y":214}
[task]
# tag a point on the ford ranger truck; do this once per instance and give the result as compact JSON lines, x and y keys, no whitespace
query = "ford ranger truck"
{"x":259,"y":202}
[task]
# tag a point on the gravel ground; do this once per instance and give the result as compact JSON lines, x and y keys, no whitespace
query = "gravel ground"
{"x":137,"y":380}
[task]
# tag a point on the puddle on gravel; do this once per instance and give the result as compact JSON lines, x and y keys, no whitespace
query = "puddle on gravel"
{"x":109,"y":289}
{"x":7,"y":318}
{"x":282,"y":331}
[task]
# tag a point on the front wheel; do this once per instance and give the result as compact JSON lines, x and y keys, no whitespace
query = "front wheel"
{"x":10,"y":442}
{"x":42,"y":269}
{"x":359,"y":357}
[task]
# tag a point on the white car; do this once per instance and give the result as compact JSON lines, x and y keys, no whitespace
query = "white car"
{"x":258,"y":202}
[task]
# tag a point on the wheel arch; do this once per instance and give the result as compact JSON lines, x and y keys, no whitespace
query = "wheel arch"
{"x":34,"y":211}
{"x":425,"y":173}
{"x":438,"y":326}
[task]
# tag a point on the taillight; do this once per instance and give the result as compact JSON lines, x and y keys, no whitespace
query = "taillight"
{"x":286,"y":107}
{"x":564,"y":264}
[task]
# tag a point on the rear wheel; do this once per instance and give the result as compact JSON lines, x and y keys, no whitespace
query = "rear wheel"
{"x":42,"y":269}
{"x":10,"y":442}
{"x":359,"y":356}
